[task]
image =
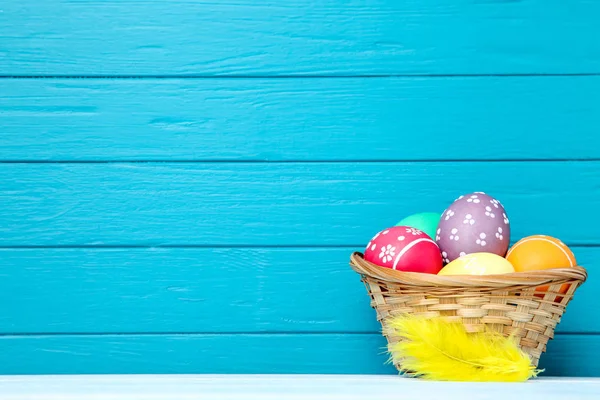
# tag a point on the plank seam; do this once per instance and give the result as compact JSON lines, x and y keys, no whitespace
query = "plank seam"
{"x":218,"y":246}
{"x":300,"y":76}
{"x":265,"y":333}
{"x":295,"y":161}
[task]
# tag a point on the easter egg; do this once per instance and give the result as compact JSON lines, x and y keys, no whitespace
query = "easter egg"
{"x":538,"y":252}
{"x":473,"y":223}
{"x":426,"y":222}
{"x":478,"y":264}
{"x":404,"y":248}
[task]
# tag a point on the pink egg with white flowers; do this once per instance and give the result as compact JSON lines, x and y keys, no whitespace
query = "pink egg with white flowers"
{"x":406,"y":249}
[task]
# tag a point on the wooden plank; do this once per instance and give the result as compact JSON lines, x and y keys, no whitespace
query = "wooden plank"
{"x":568,"y":355}
{"x":303,"y":204}
{"x":281,"y":387}
{"x":182,"y":290}
{"x":245,"y":37}
{"x":207,"y":290}
{"x":310,"y":119}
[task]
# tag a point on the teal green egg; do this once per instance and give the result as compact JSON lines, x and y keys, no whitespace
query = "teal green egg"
{"x":425,"y":221}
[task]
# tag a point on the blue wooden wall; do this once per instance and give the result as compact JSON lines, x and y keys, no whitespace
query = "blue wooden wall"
{"x":182,"y":182}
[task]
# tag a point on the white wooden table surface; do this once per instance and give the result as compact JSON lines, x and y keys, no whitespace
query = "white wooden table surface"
{"x":282,"y":387}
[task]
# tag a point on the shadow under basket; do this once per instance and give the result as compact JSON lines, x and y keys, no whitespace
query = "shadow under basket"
{"x":527,"y":305}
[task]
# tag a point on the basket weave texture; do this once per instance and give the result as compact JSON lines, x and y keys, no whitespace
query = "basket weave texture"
{"x":528,"y":306}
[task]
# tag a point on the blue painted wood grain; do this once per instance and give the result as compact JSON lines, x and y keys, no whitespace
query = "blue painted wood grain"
{"x":306,"y":119}
{"x":246,"y":37}
{"x":188,"y":290}
{"x":295,"y":204}
{"x":568,"y":355}
{"x":182,"y":290}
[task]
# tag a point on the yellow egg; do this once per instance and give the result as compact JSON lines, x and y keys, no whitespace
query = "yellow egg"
{"x":478,"y":264}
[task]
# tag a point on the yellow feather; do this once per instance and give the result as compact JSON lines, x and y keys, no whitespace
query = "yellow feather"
{"x":435,"y":349}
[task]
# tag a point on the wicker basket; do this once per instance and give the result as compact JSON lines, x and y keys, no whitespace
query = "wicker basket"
{"x":509,"y":303}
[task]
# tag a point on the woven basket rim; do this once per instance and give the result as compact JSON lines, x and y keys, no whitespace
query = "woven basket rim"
{"x":528,"y":279}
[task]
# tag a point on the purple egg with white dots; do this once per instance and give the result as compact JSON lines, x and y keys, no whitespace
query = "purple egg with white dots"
{"x":473,"y":223}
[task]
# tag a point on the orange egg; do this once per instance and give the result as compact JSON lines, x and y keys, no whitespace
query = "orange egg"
{"x":541,"y":252}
